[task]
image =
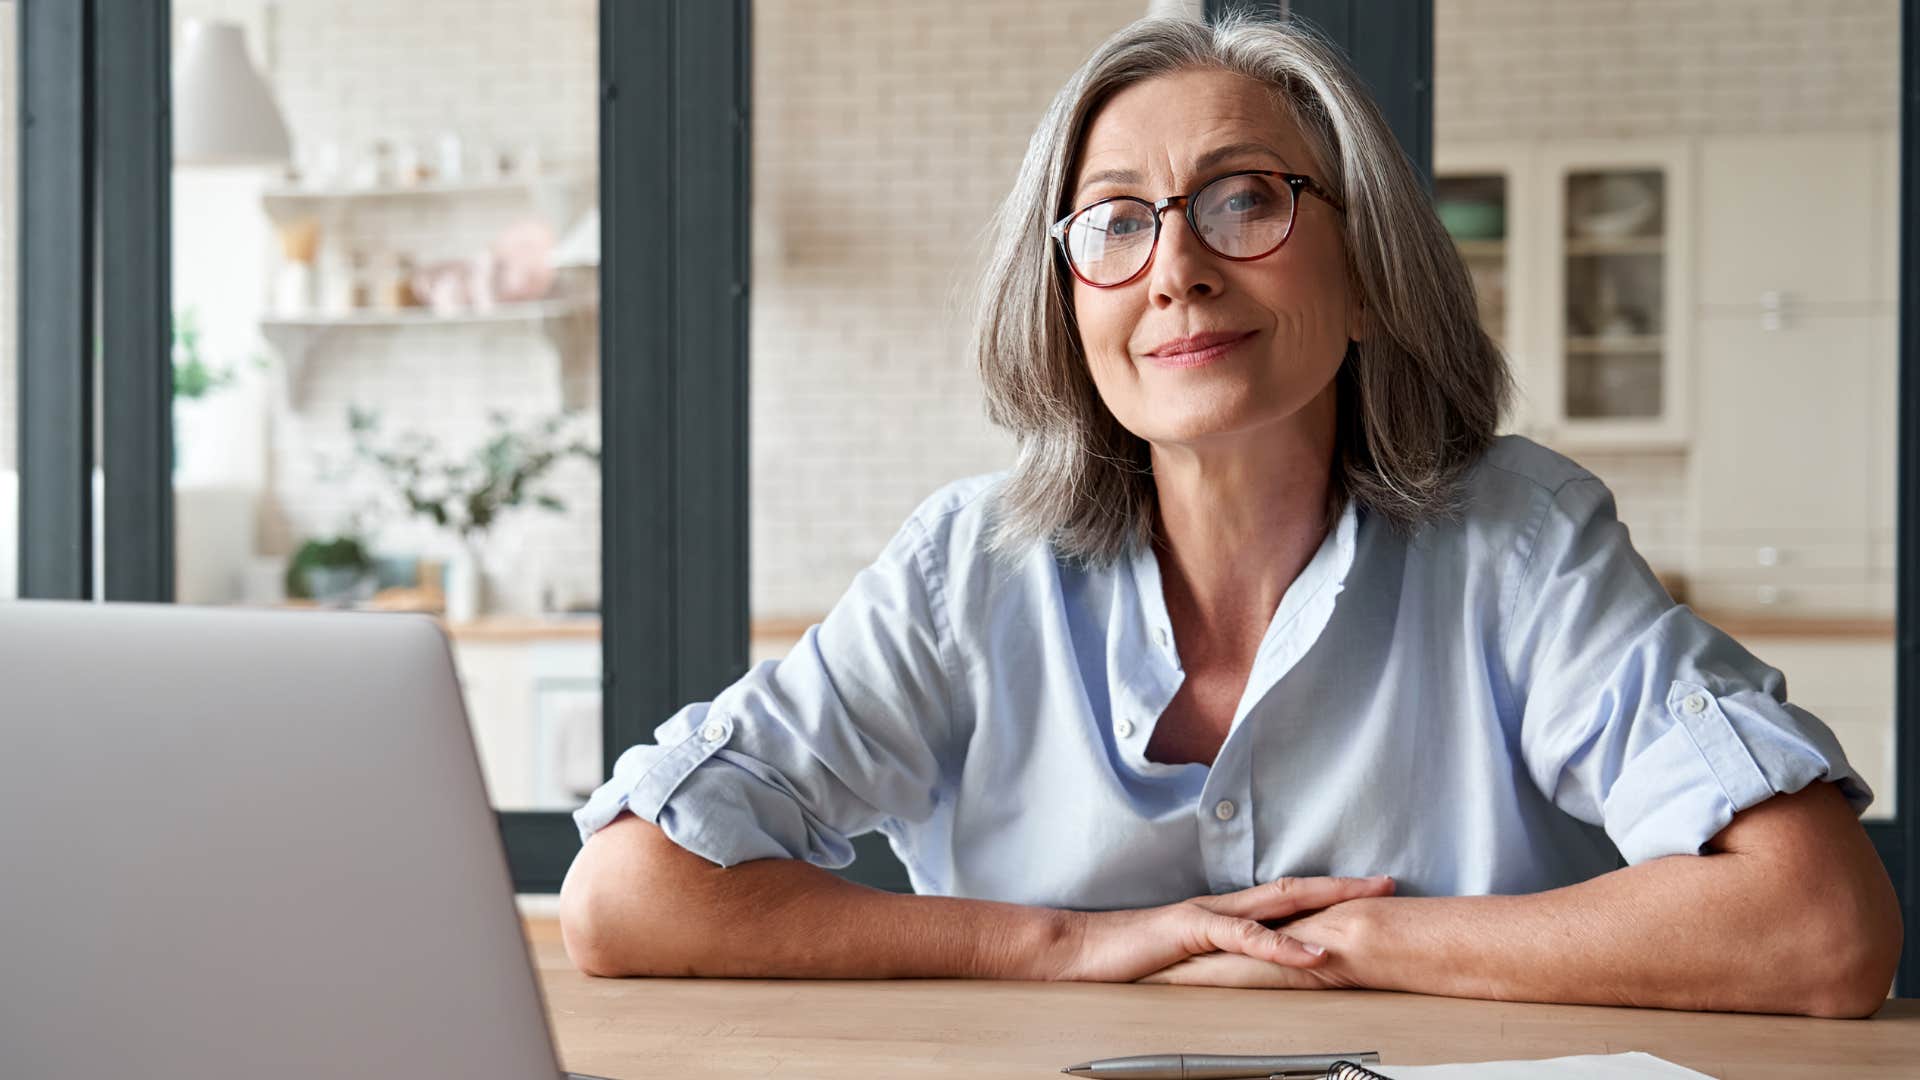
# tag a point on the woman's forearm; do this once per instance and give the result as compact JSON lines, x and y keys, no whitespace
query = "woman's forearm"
{"x":635,"y":903}
{"x":1790,"y":911}
{"x":1765,"y":928}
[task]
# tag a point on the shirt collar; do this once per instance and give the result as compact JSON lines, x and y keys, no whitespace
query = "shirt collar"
{"x":1324,"y":577}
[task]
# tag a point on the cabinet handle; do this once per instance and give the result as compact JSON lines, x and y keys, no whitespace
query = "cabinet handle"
{"x":1767,"y":556}
{"x":1767,"y":594}
{"x":1773,"y":310}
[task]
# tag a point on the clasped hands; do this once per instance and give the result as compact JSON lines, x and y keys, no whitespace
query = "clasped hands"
{"x":1287,"y":934}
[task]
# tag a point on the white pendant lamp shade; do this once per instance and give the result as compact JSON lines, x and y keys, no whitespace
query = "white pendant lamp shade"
{"x":223,"y":111}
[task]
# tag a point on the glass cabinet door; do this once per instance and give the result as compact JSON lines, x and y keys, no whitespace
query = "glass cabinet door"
{"x":1618,"y":273}
{"x":1616,"y":270}
{"x":1485,"y":196}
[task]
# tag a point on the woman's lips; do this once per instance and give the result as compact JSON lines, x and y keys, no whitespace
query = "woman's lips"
{"x":1197,"y":357}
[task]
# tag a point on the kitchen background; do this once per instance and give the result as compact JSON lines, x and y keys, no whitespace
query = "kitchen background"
{"x":1681,"y":216}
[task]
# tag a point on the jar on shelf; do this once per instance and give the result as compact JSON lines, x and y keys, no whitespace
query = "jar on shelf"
{"x":334,"y":271}
{"x":360,"y":284}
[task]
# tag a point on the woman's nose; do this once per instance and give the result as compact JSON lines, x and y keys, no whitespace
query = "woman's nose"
{"x":1182,"y":268}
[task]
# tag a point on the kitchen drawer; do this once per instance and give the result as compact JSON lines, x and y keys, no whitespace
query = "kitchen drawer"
{"x":1776,"y":561}
{"x":1798,"y":597}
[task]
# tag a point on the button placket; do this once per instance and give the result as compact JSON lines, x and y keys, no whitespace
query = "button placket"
{"x":1226,"y":824}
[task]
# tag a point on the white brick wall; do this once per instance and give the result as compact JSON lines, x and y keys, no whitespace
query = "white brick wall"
{"x":1513,"y":69}
{"x":884,"y":135}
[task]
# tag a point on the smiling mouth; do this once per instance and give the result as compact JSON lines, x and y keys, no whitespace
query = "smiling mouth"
{"x":1195,"y":357}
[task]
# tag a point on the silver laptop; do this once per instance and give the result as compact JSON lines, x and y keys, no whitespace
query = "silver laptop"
{"x":249,"y":844}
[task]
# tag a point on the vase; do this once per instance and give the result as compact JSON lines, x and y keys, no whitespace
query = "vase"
{"x":466,"y":585}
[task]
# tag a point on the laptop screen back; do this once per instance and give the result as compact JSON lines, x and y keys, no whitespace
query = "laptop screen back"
{"x":250,"y":844}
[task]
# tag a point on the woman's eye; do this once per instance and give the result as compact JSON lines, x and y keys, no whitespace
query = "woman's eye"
{"x":1125,"y":226}
{"x":1240,"y":202}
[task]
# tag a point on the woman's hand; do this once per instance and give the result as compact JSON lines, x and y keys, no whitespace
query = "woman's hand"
{"x":1124,"y":946}
{"x":1338,"y":929}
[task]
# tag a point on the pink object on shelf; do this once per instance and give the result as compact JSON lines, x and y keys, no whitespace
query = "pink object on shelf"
{"x":523,"y":267}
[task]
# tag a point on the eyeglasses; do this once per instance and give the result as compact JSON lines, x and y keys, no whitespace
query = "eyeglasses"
{"x":1240,"y":216}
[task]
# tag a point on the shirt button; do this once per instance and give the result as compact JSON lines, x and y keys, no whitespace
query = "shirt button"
{"x":1160,"y":635}
{"x":714,"y":731}
{"x":1695,"y":703}
{"x":1123,"y":728}
{"x":1224,"y":810}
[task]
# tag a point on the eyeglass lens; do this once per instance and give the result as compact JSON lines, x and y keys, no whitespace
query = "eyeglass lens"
{"x":1240,"y":217}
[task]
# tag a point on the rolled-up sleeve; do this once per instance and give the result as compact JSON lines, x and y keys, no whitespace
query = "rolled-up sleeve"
{"x":1636,"y":714}
{"x":803,"y":753}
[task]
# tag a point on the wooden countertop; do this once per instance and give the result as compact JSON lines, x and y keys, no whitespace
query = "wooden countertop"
{"x":1741,"y":626}
{"x":534,"y":627}
{"x":787,"y":630}
{"x":785,"y":1030}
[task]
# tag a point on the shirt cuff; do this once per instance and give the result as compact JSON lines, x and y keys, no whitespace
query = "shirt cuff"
{"x":1718,"y":757}
{"x":647,"y":775}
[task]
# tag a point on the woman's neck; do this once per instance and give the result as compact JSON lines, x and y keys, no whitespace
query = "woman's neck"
{"x":1238,"y":523}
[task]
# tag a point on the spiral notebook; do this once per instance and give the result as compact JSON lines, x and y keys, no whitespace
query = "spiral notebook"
{"x":1631,"y":1066}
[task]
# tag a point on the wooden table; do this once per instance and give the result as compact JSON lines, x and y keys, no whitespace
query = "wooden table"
{"x":628,"y":1029}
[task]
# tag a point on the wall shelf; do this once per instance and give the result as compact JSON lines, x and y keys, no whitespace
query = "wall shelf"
{"x":499,"y":186}
{"x":568,"y":323}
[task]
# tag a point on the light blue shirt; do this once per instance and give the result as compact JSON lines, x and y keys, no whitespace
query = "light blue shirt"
{"x":1505,"y":704}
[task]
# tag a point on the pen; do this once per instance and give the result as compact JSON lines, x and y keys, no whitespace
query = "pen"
{"x":1217,"y":1066}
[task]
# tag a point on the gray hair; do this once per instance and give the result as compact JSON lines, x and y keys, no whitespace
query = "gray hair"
{"x":1418,"y":400}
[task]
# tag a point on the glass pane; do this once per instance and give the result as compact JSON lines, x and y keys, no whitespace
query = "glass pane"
{"x":9,"y":307}
{"x":1616,"y":248}
{"x":1693,"y":322}
{"x":384,"y":342}
{"x":883,"y":139}
{"x":1474,"y":206}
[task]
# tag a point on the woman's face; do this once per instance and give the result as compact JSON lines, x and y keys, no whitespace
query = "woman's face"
{"x":1290,"y":314}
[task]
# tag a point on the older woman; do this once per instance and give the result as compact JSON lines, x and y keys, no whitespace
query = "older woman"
{"x":1267,"y":664}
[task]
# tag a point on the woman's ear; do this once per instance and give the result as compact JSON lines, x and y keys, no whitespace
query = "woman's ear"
{"x":1359,"y":318}
{"x":1359,"y":322}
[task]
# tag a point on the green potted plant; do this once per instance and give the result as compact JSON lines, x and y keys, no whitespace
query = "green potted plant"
{"x":467,"y":496}
{"x":336,"y":571}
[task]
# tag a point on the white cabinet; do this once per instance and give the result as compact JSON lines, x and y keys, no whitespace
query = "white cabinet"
{"x":1795,"y":435}
{"x":1593,"y":264}
{"x":1782,"y":433}
{"x":534,"y":703}
{"x":1486,"y":193}
{"x":1787,"y":220}
{"x":1731,"y":297}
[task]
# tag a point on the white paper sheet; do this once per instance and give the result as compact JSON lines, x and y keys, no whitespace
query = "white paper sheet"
{"x":1632,"y":1066}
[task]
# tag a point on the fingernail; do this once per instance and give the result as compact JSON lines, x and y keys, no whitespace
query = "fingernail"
{"x":1317,"y":950}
